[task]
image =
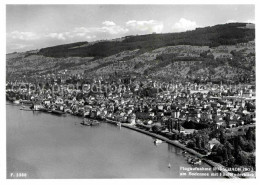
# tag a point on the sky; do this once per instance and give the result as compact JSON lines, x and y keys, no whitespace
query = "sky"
{"x":30,"y":27}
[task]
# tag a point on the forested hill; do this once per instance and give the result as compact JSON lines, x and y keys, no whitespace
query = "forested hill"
{"x":225,"y":34}
{"x":218,"y":53}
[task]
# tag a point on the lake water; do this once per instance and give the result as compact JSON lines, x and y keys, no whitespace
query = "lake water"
{"x":42,"y":145}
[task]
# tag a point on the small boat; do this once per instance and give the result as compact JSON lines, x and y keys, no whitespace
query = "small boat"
{"x":94,"y":123}
{"x":189,"y":158}
{"x":157,"y":141}
{"x":16,"y":101}
{"x":112,"y":121}
{"x":90,"y":123}
{"x":57,"y":112}
{"x":169,"y":165}
{"x":25,"y":109}
{"x":43,"y":109}
{"x":27,"y":102}
{"x":197,"y":162}
{"x":193,"y":160}
{"x":85,"y":124}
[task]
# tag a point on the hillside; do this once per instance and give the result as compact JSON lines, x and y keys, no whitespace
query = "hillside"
{"x":224,"y":52}
{"x":227,"y":34}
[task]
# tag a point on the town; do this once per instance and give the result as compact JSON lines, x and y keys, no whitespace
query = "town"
{"x":216,"y":121}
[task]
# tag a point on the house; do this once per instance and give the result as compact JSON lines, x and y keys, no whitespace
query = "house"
{"x":218,"y":120}
{"x":176,"y":114}
{"x":131,"y":119}
{"x":151,"y":114}
{"x":93,"y":113}
{"x":81,"y":102}
{"x":160,"y":107}
{"x":213,"y":142}
{"x":232,"y":123}
{"x":37,"y":105}
{"x":47,"y":102}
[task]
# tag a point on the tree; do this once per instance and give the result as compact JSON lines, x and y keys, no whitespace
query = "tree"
{"x":198,"y":142}
{"x":247,"y":119}
{"x":178,"y":127}
{"x":241,"y":158}
{"x":156,"y":128}
{"x":218,"y":159}
{"x":237,"y":148}
{"x":222,"y":138}
{"x":242,"y":142}
{"x":251,"y":160}
{"x":249,"y":134}
{"x":191,"y":144}
{"x":250,"y":146}
{"x":228,"y":146}
{"x":225,"y":154}
{"x":231,"y":161}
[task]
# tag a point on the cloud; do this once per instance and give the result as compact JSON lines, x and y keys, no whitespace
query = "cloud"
{"x":23,"y":35}
{"x":108,"y":23}
{"x":113,"y":30}
{"x":59,"y":36}
{"x":77,"y":34}
{"x":145,"y":26}
{"x":251,"y":21}
{"x":81,"y":30}
{"x":19,"y":46}
{"x":231,"y":21}
{"x":81,"y":33}
{"x":246,"y":21}
{"x":106,"y":30}
{"x":91,"y":37}
{"x":184,"y":25}
{"x":108,"y":27}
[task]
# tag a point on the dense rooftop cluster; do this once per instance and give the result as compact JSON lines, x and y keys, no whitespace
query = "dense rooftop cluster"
{"x":218,"y":122}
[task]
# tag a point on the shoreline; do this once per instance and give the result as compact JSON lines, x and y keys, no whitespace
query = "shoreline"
{"x":179,"y":145}
{"x":219,"y":167}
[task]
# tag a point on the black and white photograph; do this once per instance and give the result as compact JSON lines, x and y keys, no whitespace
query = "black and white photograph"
{"x":130,"y":91}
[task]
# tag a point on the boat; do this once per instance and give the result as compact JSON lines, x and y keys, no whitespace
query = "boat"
{"x":58,"y":112}
{"x":44,"y":109}
{"x":194,"y":161}
{"x":85,"y":124}
{"x":197,"y":162}
{"x":94,"y":123}
{"x":16,"y":101}
{"x":157,"y":141}
{"x":26,"y":102}
{"x":112,"y":121}
{"x":25,"y":109}
{"x":169,"y":165}
{"x":90,"y":123}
